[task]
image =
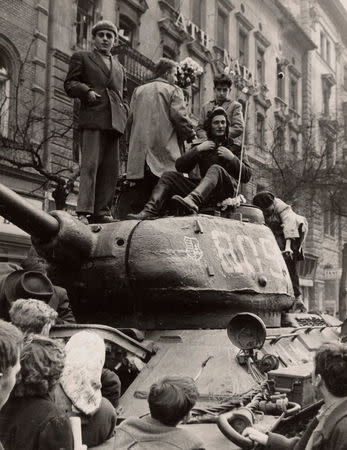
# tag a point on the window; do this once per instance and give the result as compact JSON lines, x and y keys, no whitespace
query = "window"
{"x":260,"y":65}
{"x":127,"y":29}
{"x":307,"y":267}
{"x":326,"y":98}
{"x":84,"y":21}
{"x":280,"y":82}
{"x":322,"y":45}
{"x":294,"y":147}
{"x":329,"y":153}
{"x":293,"y":94}
{"x":243,"y":48}
{"x":4,"y":98}
{"x":198,"y":9}
{"x":196,"y":96}
{"x":329,"y":222}
{"x":168,"y":52}
{"x":344,"y":111}
{"x":280,"y":140}
{"x":328,"y":52}
{"x":222,"y":29}
{"x":260,"y":123}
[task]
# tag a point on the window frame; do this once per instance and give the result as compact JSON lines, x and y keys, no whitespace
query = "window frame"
{"x":293,"y":100}
{"x":222,"y":12}
{"x":90,"y":15}
{"x":260,"y":144}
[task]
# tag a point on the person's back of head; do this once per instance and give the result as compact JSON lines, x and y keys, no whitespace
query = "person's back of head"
{"x":32,"y":316}
{"x":163,"y":66}
{"x":171,"y":399}
{"x":42,"y":364}
{"x":10,"y":346}
{"x":331,"y":365}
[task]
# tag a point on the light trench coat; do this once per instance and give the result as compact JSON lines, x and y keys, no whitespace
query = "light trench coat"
{"x":158,"y":119}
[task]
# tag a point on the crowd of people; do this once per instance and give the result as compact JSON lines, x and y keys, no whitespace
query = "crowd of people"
{"x":44,"y":382}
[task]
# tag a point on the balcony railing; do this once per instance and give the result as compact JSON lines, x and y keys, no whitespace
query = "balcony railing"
{"x":139,"y":68}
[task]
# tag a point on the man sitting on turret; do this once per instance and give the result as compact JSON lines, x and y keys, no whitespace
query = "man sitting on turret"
{"x":219,"y":164}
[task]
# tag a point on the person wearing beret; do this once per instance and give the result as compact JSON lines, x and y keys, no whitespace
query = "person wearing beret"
{"x":98,"y":80}
{"x":290,"y":230}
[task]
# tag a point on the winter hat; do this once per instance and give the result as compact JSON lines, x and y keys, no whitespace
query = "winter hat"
{"x":104,"y":25}
{"x":81,"y":379}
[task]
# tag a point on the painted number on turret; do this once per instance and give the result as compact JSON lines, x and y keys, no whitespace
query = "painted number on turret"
{"x":245,"y":254}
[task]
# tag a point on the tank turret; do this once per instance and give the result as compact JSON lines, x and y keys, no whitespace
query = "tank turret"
{"x":173,"y":272}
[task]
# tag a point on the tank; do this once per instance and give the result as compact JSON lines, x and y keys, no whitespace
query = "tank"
{"x":204,"y":296}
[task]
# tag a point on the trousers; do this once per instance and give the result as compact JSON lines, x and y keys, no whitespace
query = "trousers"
{"x":224,"y":183}
{"x":99,"y":171}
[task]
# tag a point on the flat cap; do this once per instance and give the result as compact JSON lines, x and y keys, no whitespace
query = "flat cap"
{"x":104,"y":25}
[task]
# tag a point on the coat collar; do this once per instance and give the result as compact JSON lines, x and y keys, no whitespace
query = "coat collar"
{"x":97,"y":59}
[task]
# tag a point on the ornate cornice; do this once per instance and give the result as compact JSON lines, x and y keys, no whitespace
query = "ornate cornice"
{"x":261,"y":38}
{"x":242,"y":19}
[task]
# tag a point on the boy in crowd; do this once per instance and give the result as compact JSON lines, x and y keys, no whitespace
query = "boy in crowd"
{"x":222,"y":87}
{"x":170,"y":401}
{"x":328,"y":430}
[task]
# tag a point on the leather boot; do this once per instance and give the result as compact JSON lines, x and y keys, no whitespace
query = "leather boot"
{"x":154,"y":205}
{"x":198,"y":196}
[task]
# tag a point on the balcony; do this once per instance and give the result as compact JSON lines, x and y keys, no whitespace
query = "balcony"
{"x":138,"y":67}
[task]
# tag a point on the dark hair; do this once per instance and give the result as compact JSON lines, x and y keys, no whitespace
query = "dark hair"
{"x":222,"y":79}
{"x":31,"y":315}
{"x":42,"y":363}
{"x":263,"y":199}
{"x":218,"y":111}
{"x":171,"y":399}
{"x":331,"y":364}
{"x":10,"y":344}
{"x":162,"y":66}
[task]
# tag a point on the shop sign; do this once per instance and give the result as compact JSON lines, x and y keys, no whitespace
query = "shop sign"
{"x":235,"y":69}
{"x":193,"y":30}
{"x":332,"y":274}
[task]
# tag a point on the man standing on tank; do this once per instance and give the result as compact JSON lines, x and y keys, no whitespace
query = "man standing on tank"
{"x":158,"y":120}
{"x":97,"y":79}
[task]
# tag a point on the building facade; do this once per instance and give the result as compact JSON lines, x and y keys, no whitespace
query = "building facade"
{"x":289,"y":66}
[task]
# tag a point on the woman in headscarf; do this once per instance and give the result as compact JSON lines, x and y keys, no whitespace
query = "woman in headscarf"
{"x":79,"y":390}
{"x":30,"y":420}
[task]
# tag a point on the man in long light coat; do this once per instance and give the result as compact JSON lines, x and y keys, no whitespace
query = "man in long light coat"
{"x":158,"y":119}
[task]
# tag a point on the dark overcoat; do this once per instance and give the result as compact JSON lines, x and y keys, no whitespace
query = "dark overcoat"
{"x":87,"y":71}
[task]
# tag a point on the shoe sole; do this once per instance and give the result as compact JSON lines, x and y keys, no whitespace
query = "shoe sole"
{"x":188,"y":208}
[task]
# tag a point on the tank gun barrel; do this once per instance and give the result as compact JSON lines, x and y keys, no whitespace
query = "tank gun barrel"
{"x":20,"y":212}
{"x":57,"y":236}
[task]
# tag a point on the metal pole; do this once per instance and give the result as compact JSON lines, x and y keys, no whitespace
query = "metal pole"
{"x":242,"y":146}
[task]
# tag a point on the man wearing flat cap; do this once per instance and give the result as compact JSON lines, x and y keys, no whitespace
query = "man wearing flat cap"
{"x":97,"y":79}
{"x":16,"y":283}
